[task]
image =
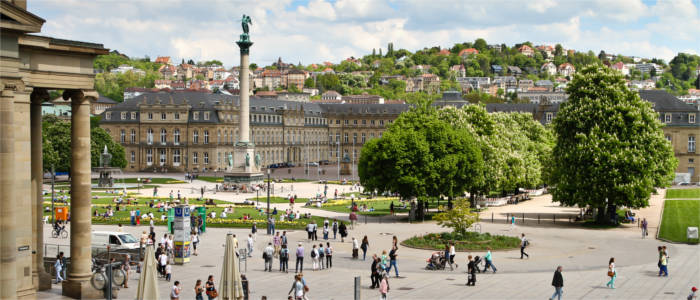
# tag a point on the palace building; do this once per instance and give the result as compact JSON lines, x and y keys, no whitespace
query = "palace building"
{"x":196,"y":131}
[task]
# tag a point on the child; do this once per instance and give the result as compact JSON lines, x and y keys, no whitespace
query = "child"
{"x":168,"y":272}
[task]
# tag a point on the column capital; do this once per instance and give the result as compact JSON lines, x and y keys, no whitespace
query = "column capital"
{"x":79,"y":96}
{"x":39,"y":95}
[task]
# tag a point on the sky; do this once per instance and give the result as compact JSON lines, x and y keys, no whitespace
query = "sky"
{"x":314,"y":31}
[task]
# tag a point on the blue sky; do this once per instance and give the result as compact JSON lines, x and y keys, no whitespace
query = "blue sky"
{"x":314,"y":31}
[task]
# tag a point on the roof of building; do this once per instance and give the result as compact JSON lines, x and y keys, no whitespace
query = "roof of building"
{"x":665,"y":102}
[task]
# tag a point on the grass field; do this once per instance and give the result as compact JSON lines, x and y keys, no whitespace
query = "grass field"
{"x":299,"y":201}
{"x":381,"y":207}
{"x":683,"y":193}
{"x":678,"y":215}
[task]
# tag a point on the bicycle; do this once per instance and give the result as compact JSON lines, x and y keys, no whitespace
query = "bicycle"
{"x":60,"y":231}
{"x":99,"y":277}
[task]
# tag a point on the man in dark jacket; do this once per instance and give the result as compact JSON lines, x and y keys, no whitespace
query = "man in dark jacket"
{"x":471,"y":270}
{"x":375,"y":274}
{"x":558,"y":283}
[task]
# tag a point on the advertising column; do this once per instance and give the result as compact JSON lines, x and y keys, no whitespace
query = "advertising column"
{"x":181,"y":226}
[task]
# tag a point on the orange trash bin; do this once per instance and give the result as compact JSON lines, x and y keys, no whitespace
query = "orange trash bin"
{"x":61,"y":213}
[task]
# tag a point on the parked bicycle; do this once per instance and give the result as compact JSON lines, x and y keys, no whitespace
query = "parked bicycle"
{"x":99,"y":275}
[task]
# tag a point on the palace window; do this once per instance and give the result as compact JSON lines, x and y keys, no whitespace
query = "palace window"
{"x":667,"y":118}
{"x":123,"y":115}
{"x":371,"y":135}
{"x":691,"y":144}
{"x":149,"y":136}
{"x":381,"y":122}
{"x":354,"y":122}
{"x":133,"y":115}
{"x":206,"y":158}
{"x":122,"y":136}
{"x":176,"y":157}
{"x":195,"y":158}
{"x":176,"y":136}
{"x":347,"y":122}
{"x":548,"y":117}
{"x":206,"y":137}
{"x":195,"y":137}
{"x":133,"y":136}
{"x":163,"y":136}
{"x":150,"y":116}
{"x":133,"y":157}
{"x":345,"y":138}
{"x":691,"y":118}
{"x":177,"y":115}
{"x":195,"y":115}
{"x":364,"y":122}
{"x":354,"y":138}
{"x":668,"y":137}
{"x":108,"y":116}
{"x":363,"y":137}
{"x":162,"y":157}
{"x":206,"y":115}
{"x":371,"y":122}
{"x":149,"y":156}
{"x":163,"y":116}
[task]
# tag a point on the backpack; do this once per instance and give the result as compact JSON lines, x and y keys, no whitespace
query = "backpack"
{"x":320,"y":253}
{"x":284,"y":254}
{"x":313,"y":254}
{"x":527,"y":243}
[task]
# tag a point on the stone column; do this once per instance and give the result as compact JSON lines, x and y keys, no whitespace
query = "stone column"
{"x":41,"y":279}
{"x":8,"y":231}
{"x":78,"y":284}
{"x":244,"y":121}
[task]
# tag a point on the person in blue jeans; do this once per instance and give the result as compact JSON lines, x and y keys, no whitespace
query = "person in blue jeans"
{"x":489,"y":262}
{"x":392,"y":260}
{"x":557,"y":283}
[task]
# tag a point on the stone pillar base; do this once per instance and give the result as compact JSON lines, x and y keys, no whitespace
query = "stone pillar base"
{"x":44,"y":281}
{"x":81,"y":290}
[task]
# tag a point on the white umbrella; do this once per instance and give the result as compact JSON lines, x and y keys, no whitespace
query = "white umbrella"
{"x":148,"y":283}
{"x":230,"y":286}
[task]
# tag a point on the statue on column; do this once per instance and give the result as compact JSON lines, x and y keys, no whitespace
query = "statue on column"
{"x":257,"y":159}
{"x":230,"y":160}
{"x":245,"y":20}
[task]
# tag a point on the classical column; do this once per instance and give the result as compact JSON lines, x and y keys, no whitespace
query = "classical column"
{"x":78,"y":284}
{"x":41,"y":279}
{"x":244,"y":121}
{"x":8,"y":231}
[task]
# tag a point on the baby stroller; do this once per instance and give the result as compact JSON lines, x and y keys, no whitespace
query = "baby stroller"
{"x":477,"y":262}
{"x":436,"y":261}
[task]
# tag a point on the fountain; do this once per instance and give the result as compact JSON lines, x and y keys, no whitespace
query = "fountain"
{"x":106,"y":180}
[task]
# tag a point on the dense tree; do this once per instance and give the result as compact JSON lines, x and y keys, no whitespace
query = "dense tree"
{"x":610,"y":149}
{"x":57,"y":145}
{"x":213,"y":62}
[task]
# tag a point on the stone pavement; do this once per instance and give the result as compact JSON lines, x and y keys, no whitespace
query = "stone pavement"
{"x":583,"y":253}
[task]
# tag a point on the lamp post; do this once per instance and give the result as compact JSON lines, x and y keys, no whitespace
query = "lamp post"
{"x":337,"y":149}
{"x":53,"y":193}
{"x":138,"y":184}
{"x":269,"y":231}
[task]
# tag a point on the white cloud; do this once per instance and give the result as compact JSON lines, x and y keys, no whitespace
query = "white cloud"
{"x":326,"y":30}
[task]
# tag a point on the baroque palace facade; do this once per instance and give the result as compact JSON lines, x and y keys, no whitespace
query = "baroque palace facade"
{"x":196,"y":131}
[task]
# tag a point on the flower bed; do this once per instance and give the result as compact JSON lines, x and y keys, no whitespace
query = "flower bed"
{"x":468,"y":242}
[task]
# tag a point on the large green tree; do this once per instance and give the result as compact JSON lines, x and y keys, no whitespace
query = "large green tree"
{"x":610,"y":148}
{"x":57,"y":150}
{"x":422,"y":155}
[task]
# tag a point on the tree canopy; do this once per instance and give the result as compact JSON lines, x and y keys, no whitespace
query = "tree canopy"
{"x":610,"y":148}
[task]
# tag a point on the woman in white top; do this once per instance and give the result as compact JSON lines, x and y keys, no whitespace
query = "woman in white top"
{"x":612,"y":273}
{"x":297,"y":288}
{"x":175,"y":294}
{"x":314,"y":258}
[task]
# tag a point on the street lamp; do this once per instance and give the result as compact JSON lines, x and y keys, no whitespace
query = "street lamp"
{"x":53,"y":193}
{"x":337,"y":155}
{"x":138,"y":184}
{"x":269,"y":231}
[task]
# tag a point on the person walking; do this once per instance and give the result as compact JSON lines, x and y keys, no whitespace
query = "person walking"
{"x":284,"y":258}
{"x":163,"y":263}
{"x":489,"y":261}
{"x":210,"y":288}
{"x":692,"y":295}
{"x":168,"y":272}
{"x":392,"y":260}
{"x":453,"y":253}
{"x":314,"y":258}
{"x":645,"y":227}
{"x":251,"y":244}
{"x":355,"y":248}
{"x":664,"y":264}
{"x":329,"y":255}
{"x":374,"y":269}
{"x":254,"y":230}
{"x":557,"y":283}
{"x":277,"y":242}
{"x":471,"y":271}
{"x":59,"y":268}
{"x":309,"y":231}
{"x":268,"y":253}
{"x":512,"y":222}
{"x":325,"y":230}
{"x":198,"y":290}
{"x":364,"y":246}
{"x":384,"y":287}
{"x":63,"y":264}
{"x":343,"y":230}
{"x":194,"y":237}
{"x":335,"y":228}
{"x":315,"y":231}
{"x":612,"y":273}
{"x":297,"y":288}
{"x":523,"y":244}
{"x":283,"y":238}
{"x":175,"y":293}
{"x":300,"y":259}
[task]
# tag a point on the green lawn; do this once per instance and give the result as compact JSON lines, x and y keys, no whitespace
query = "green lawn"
{"x":678,"y":215}
{"x":683,"y":193}
{"x":263,"y":199}
{"x":211,"y":179}
{"x":381,"y":207}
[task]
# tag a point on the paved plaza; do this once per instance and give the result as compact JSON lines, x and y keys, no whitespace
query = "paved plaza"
{"x":583,"y":253}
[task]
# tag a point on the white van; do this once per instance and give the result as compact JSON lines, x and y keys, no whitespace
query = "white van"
{"x":116,"y":240}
